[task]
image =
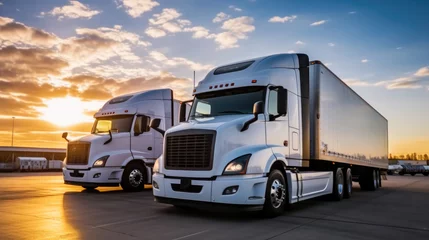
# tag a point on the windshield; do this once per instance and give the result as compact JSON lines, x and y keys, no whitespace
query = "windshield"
{"x":116,"y":124}
{"x":231,"y":101}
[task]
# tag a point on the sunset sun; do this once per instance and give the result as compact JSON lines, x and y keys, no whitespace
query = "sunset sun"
{"x":64,"y":111}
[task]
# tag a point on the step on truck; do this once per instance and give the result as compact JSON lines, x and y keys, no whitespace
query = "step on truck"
{"x":121,"y":148}
{"x":268,"y":132}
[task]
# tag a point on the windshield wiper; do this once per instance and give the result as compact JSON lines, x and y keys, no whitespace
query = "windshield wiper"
{"x":201,"y":115}
{"x":232,"y":111}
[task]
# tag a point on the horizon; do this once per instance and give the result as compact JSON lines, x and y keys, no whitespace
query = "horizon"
{"x":60,"y":61}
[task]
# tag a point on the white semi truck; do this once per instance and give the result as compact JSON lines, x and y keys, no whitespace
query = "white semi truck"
{"x":268,"y":132}
{"x":121,"y":148}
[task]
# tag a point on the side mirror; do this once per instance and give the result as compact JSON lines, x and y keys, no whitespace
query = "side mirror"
{"x":258,"y":108}
{"x":65,"y":135}
{"x":182,"y":113}
{"x":154,"y":123}
{"x":282,"y":101}
{"x":141,"y":125}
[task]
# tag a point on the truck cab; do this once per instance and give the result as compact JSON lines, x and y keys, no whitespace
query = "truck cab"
{"x":121,"y":148}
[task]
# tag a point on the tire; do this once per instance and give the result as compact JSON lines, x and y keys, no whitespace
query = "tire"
{"x":425,"y":174}
{"x":378,"y":178}
{"x":401,"y":173}
{"x":368,"y":180}
{"x":338,"y":189}
{"x":413,"y":174}
{"x":89,"y":188}
{"x":276,"y":194}
{"x":389,"y":173}
{"x":133,"y":177}
{"x":348,"y":183}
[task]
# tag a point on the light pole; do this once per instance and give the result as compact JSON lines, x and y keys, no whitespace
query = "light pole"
{"x":13,"y":128}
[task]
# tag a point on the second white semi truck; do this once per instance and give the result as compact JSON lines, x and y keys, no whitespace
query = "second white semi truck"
{"x":121,"y":148}
{"x":268,"y":132}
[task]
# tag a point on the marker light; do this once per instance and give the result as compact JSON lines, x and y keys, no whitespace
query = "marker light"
{"x":210,"y":87}
{"x":226,"y":85}
{"x":221,"y":85}
{"x":232,"y":84}
{"x":215,"y":86}
{"x":126,"y":111}
{"x":254,"y":81}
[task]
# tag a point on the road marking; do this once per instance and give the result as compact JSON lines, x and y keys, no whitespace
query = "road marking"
{"x":190,"y":235}
{"x":124,"y":221}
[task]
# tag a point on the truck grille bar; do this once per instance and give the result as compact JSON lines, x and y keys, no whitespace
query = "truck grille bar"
{"x":78,"y":153}
{"x":190,"y":150}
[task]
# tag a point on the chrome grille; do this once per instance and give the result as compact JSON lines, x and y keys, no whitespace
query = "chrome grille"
{"x":190,"y":150}
{"x":78,"y":153}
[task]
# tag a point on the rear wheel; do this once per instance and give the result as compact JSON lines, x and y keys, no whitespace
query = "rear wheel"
{"x":338,"y":191}
{"x":401,"y":173}
{"x":348,"y":183}
{"x":275,"y":194}
{"x":133,"y":178}
{"x":413,"y":174}
{"x":368,"y":180}
{"x":426,"y":174}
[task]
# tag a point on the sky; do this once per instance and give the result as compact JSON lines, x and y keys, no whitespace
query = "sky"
{"x":61,"y":60}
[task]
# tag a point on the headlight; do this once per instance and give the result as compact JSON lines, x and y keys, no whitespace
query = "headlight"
{"x":156,"y":166}
{"x":101,"y":162}
{"x":237,"y":166}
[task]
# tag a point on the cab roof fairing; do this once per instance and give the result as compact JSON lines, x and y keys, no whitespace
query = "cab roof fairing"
{"x":131,"y":105}
{"x":262,"y":70}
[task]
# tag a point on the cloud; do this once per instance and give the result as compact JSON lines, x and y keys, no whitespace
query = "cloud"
{"x":422,"y":72}
{"x":74,"y":10}
{"x":1,"y":3}
{"x":236,"y":29}
{"x":29,"y":63}
{"x":328,"y":64}
{"x":417,"y":80}
{"x":353,"y":12}
{"x":291,"y":51}
{"x":120,"y":72}
{"x":19,"y":34}
{"x":155,"y":32}
{"x":398,"y":48}
{"x":318,"y":23}
{"x":199,"y":32}
{"x":178,"y":61}
{"x":277,"y":19}
{"x":115,"y":34}
{"x":364,"y":60}
{"x":135,"y":8}
{"x":299,"y":43}
{"x":235,"y":8}
{"x":166,"y":21}
{"x":331,"y":44}
{"x":220,"y":17}
{"x":13,"y":107}
{"x":356,"y":82}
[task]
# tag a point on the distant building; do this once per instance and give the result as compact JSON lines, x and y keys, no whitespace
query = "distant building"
{"x":8,"y":155}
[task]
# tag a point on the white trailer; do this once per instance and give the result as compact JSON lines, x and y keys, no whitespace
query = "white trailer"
{"x":121,"y":148}
{"x":271,"y":131}
{"x":55,"y":164}
{"x":32,"y":163}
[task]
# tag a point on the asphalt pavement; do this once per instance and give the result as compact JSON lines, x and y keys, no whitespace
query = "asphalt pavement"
{"x":40,"y":206}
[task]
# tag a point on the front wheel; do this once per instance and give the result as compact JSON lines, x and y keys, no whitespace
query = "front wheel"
{"x":275,"y":194}
{"x":133,"y":178}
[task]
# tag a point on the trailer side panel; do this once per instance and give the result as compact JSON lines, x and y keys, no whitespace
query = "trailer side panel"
{"x":346,"y":128}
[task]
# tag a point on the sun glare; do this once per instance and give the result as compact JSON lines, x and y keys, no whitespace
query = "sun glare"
{"x":64,"y":111}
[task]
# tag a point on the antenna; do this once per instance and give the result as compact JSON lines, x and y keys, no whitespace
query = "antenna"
{"x":194,"y":79}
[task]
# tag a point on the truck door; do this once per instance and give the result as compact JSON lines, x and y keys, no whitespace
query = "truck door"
{"x":142,"y":145}
{"x":278,"y":128}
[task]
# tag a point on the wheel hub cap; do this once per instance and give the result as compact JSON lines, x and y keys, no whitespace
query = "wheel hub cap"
{"x":135,"y":178}
{"x":277,"y":193}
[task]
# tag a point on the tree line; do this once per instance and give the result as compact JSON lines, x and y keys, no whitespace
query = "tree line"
{"x":410,"y":156}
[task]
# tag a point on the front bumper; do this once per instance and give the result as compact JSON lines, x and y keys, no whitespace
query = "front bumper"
{"x":105,"y":176}
{"x":251,"y":190}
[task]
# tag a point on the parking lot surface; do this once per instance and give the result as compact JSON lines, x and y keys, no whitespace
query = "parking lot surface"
{"x":40,"y":206}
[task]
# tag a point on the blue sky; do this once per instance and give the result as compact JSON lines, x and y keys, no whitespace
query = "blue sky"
{"x":380,"y":48}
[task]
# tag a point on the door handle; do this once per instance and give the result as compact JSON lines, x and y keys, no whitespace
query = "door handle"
{"x":149,"y":148}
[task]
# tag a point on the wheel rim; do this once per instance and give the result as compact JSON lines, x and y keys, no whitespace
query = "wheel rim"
{"x":135,"y":178}
{"x":277,"y":193}
{"x":340,"y":184}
